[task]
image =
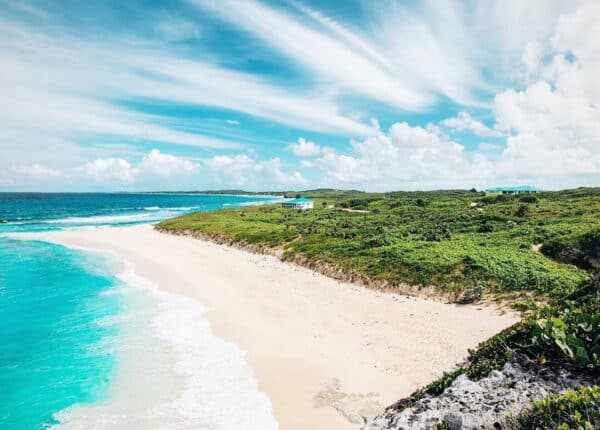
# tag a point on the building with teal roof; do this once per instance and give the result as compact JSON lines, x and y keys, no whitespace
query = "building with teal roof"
{"x":521,"y":189}
{"x":298,"y":203}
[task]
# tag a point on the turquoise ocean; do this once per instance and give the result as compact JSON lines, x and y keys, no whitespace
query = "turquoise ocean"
{"x":86,"y":344}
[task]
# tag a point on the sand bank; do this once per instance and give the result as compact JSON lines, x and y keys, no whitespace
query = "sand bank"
{"x":325,"y":352}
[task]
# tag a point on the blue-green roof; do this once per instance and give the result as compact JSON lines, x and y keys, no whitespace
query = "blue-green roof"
{"x":298,"y":200}
{"x":519,"y":188}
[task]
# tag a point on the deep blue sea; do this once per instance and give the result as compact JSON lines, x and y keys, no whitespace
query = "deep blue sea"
{"x":70,"y":324}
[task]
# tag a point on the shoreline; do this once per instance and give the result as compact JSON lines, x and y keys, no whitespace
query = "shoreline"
{"x":427,"y":292}
{"x":171,"y":370}
{"x":325,"y":352}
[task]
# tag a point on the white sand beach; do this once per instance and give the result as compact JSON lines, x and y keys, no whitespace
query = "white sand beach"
{"x":325,"y":352}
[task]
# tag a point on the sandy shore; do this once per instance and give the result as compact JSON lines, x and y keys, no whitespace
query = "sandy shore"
{"x":325,"y":352}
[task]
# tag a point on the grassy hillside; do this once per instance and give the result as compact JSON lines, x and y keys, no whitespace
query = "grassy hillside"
{"x":545,"y":245}
{"x":460,"y":241}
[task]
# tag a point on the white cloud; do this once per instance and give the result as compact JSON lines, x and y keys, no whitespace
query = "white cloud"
{"x":159,"y":164}
{"x":177,"y":29}
{"x":306,"y":163}
{"x":332,"y":58}
{"x":464,"y":122}
{"x":555,"y":121}
{"x":36,"y":171}
{"x":242,"y":170}
{"x":48,"y":93}
{"x":405,"y":54}
{"x":155,"y":170}
{"x":57,"y":85}
{"x":552,"y":125}
{"x":406,"y":157}
{"x":232,"y":122}
{"x":553,"y":128}
{"x":200,"y":83}
{"x":304,"y":148}
{"x":277,"y":174}
{"x":108,"y":170}
{"x":236,"y":168}
{"x":532,"y":58}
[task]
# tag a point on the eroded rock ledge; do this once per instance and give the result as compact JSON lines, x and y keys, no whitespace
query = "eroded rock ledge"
{"x":489,"y":403}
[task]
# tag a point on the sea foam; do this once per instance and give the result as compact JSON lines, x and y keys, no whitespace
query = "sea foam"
{"x":173,"y":372}
{"x":108,"y":219}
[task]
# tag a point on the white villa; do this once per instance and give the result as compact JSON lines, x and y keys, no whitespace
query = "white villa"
{"x":299,"y":203}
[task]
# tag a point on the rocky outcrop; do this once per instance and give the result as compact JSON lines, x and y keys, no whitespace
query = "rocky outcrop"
{"x":489,"y":403}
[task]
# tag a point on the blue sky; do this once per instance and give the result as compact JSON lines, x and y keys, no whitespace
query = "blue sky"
{"x":376,"y":95}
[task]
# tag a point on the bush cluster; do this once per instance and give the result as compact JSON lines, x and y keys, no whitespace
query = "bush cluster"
{"x":573,"y":410}
{"x":581,"y":249}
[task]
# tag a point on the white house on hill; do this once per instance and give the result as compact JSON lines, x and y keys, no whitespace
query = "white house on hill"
{"x":299,"y":203}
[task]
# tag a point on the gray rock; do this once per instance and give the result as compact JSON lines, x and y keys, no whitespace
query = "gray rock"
{"x":485,"y":404}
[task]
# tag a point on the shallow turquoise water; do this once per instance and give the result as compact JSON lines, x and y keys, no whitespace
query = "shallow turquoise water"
{"x":60,"y":329}
{"x":53,"y":349}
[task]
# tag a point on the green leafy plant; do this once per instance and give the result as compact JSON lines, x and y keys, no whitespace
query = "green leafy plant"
{"x":579,"y":248}
{"x":573,"y":333}
{"x":522,"y":211}
{"x":528,"y":198}
{"x":572,"y":410}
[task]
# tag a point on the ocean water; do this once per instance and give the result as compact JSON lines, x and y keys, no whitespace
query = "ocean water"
{"x":53,"y":352}
{"x":29,"y":212}
{"x":87,"y":344}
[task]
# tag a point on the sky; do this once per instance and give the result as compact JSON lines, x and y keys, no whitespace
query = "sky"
{"x":262,"y":95}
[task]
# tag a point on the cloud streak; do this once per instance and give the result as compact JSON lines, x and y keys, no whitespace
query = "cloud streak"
{"x":219,"y":89}
{"x":61,"y":86}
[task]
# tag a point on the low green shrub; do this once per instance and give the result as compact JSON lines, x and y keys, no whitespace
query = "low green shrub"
{"x":522,"y":211}
{"x":472,"y":294}
{"x":485,"y":227}
{"x":435,"y":388}
{"x":580,"y":249}
{"x":495,"y":199}
{"x":572,"y":334}
{"x":528,"y":198}
{"x":572,"y":410}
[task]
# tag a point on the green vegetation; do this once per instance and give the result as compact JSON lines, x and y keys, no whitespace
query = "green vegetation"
{"x":563,"y":334}
{"x":581,"y":248}
{"x":569,"y":329}
{"x":467,"y":244}
{"x":572,"y":410}
{"x":425,"y":238}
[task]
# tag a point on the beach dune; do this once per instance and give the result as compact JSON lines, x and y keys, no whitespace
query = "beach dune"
{"x":327,"y":353}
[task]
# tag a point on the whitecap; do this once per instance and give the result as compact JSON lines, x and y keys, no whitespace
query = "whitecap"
{"x":99,"y":219}
{"x":174,"y":373}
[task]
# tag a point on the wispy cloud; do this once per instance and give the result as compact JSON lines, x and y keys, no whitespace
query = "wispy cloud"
{"x":407,"y":55}
{"x":336,"y":60}
{"x":464,"y":122}
{"x":243,"y":170}
{"x":60,"y":86}
{"x":81,"y":89}
{"x":304,"y":148}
